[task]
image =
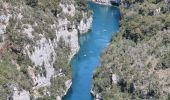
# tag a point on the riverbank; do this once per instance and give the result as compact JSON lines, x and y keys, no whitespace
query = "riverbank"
{"x":136,"y":63}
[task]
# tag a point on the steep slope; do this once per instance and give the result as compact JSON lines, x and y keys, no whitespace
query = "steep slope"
{"x":37,"y":40}
{"x":136,"y":64}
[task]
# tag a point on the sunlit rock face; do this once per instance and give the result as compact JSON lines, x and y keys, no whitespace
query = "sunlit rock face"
{"x":85,"y":24}
{"x":43,"y":33}
{"x":4,"y":20}
{"x":43,"y":55}
{"x":20,"y":95}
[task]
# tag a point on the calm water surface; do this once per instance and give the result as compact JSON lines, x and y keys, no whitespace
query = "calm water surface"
{"x":105,"y":24}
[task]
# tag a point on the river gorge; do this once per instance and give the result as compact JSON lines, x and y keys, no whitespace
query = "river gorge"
{"x":84,"y":50}
{"x":92,"y":44}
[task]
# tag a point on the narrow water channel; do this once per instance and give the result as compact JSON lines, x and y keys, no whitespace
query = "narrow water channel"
{"x":105,"y":25}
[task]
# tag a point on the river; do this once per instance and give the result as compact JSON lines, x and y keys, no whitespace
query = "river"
{"x":92,"y":44}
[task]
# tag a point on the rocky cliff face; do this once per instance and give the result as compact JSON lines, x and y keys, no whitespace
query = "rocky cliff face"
{"x":136,"y":64}
{"x":41,"y":37}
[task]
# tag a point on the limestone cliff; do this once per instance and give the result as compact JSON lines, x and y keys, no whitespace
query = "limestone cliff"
{"x":37,"y":39}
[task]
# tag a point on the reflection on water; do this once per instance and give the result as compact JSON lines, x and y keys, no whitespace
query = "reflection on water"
{"x":92,"y":44}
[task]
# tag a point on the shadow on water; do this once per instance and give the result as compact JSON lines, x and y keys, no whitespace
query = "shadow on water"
{"x":92,"y":44}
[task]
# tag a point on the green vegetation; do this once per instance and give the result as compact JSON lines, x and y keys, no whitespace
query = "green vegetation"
{"x":10,"y":74}
{"x":138,"y":55}
{"x":82,"y":4}
{"x":62,"y":67}
{"x":63,"y":52}
{"x":45,"y":5}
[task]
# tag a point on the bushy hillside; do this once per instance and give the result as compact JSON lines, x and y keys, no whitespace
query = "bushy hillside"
{"x":37,"y":40}
{"x":136,"y":65}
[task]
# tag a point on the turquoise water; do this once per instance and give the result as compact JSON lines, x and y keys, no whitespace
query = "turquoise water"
{"x":105,"y":25}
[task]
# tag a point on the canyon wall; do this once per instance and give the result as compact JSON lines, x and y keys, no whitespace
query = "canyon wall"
{"x":136,"y":64}
{"x":41,"y":40}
